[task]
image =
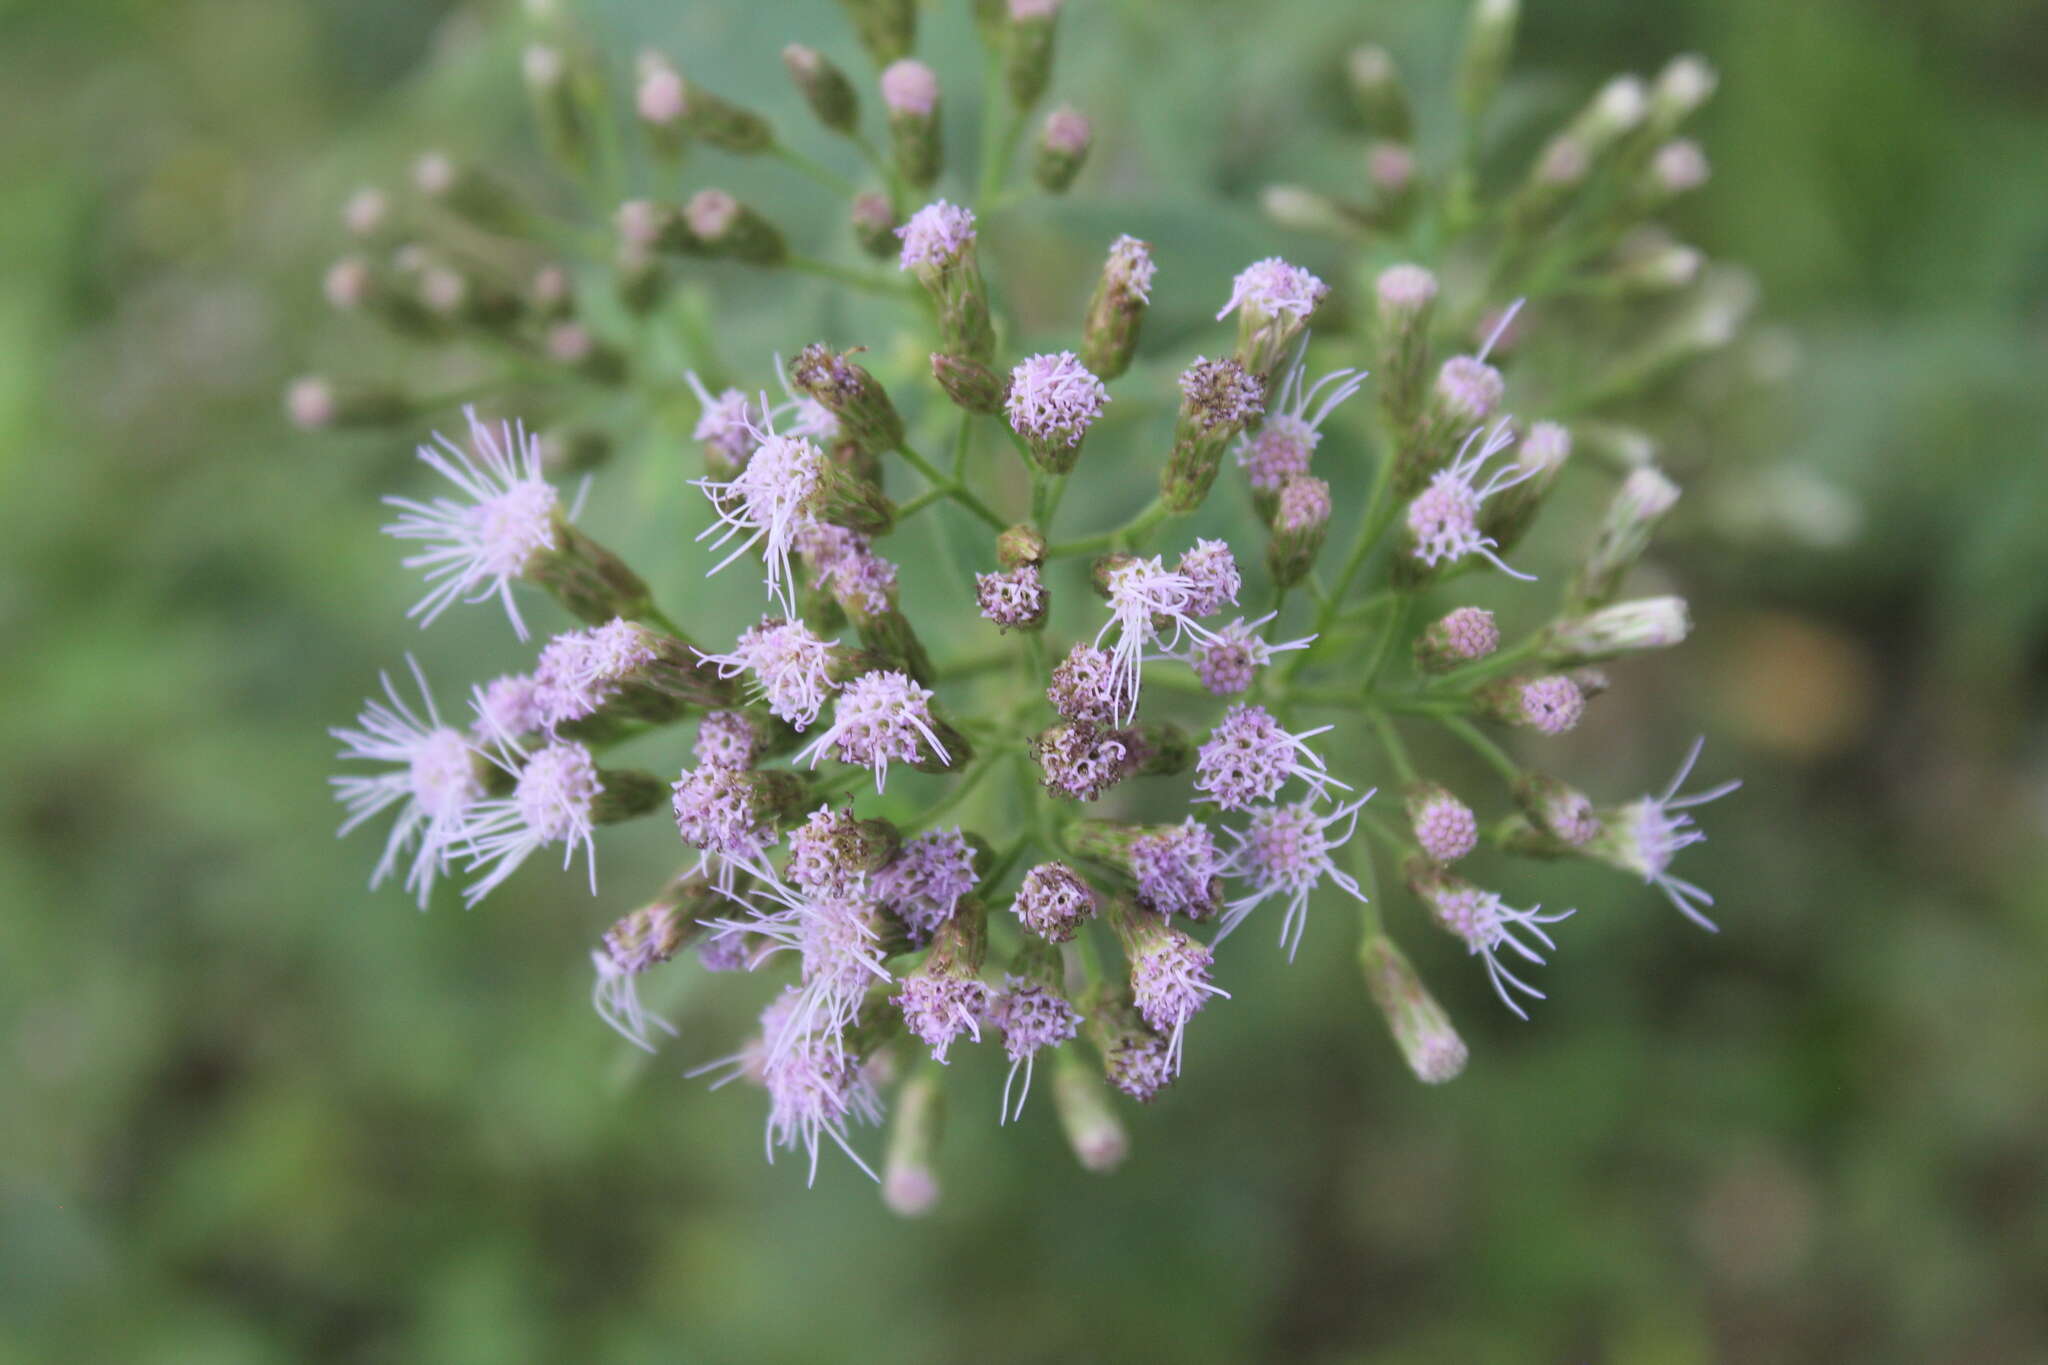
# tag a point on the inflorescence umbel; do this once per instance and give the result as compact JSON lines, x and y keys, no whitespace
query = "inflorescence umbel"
{"x":1035,"y":821}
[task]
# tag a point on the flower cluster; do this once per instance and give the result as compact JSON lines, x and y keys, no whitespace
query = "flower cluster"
{"x":1027,"y":804}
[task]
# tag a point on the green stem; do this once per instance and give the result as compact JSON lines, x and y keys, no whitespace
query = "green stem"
{"x":1390,"y":740}
{"x":963,"y":444}
{"x":955,"y":491}
{"x":797,"y":161}
{"x":1396,"y":624}
{"x":1495,"y":756}
{"x":883,"y":167}
{"x":1461,"y":679}
{"x":960,"y":792}
{"x":1154,"y":513}
{"x":993,"y":662}
{"x":862,"y":280}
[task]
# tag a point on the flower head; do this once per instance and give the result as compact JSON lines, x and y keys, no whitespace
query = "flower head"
{"x":1273,"y":288}
{"x":1444,"y":518}
{"x":500,"y":528}
{"x":1229,"y":660}
{"x":1550,"y":704}
{"x":1053,"y":902}
{"x":791,"y":667}
{"x":1249,"y":758}
{"x":936,"y":235}
{"x":1054,"y":399}
{"x":726,"y":739}
{"x":881,"y":717}
{"x":1645,"y":835}
{"x":1014,"y":598}
{"x":1220,"y":395}
{"x":1213,"y":579}
{"x":1142,"y":594}
{"x":1445,"y":828}
{"x":1082,"y":760}
{"x":1487,"y":924}
{"x":433,"y":781}
{"x":910,"y":87}
{"x":939,"y":1006}
{"x":1130,"y":267}
{"x":764,"y":505}
{"x":844,"y":564}
{"x":729,"y":423}
{"x":508,"y":707}
{"x":1169,"y":978}
{"x":1286,"y":851}
{"x":643,"y":939}
{"x":1177,"y":870}
{"x":1033,"y":1016}
{"x":923,"y":884}
{"x":1469,"y":389}
{"x":580,"y":670}
{"x":815,"y":1090}
{"x":729,"y":813}
{"x":553,"y":801}
{"x":1281,"y":448}
{"x":1087,"y":686}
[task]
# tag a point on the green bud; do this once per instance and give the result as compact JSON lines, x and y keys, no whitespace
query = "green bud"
{"x":974,"y":387}
{"x":1423,"y":1031}
{"x":824,"y":87}
{"x":887,"y":28}
{"x":726,"y":227}
{"x":851,"y":394}
{"x":1063,"y":146}
{"x":1027,"y":49}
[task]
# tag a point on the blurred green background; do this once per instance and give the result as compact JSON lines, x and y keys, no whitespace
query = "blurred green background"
{"x":253,"y":1112}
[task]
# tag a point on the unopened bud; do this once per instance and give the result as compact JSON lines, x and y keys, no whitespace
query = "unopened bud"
{"x":1390,"y":166}
{"x":726,"y":227}
{"x":1676,"y":168}
{"x":1683,"y":86}
{"x":1638,"y":505}
{"x":1424,"y":1033}
{"x":910,"y":1180}
{"x":824,"y":87}
{"x":1382,"y":100}
{"x":319,"y":404}
{"x":1020,"y":545}
{"x":1557,"y":809}
{"x":661,"y":101}
{"x":1063,"y":146}
{"x":874,"y":224}
{"x":572,"y":345}
{"x":973,"y":386}
{"x":1116,"y":311}
{"x":1094,"y":1132}
{"x":1549,"y":705}
{"x":1406,"y":294}
{"x":367,"y":213}
{"x":1623,"y":628}
{"x":1301,"y":522}
{"x":722,"y":123}
{"x":938,"y":247}
{"x":1651,"y":263}
{"x":910,"y":92}
{"x":551,"y":85}
{"x":638,"y":278}
{"x":464,"y":191}
{"x":1219,"y":399}
{"x":851,"y":394}
{"x":887,"y":28}
{"x":1489,"y":42}
{"x":650,"y":226}
{"x":1027,"y":49}
{"x":1445,"y":828}
{"x":1462,"y":637}
{"x":1301,"y":209}
{"x":550,"y":295}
